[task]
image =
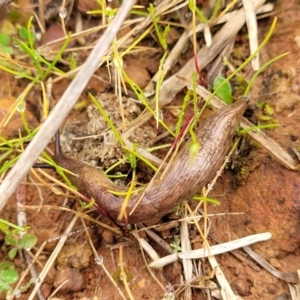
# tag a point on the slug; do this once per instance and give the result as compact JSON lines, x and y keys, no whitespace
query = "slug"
{"x":185,"y":175}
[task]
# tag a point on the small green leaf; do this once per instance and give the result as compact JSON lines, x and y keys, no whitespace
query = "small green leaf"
{"x":4,"y":42}
{"x":6,"y":265}
{"x":24,"y":34}
{"x":224,"y":92}
{"x":7,"y":50}
{"x":12,"y":253}
{"x":4,"y":39}
{"x":269,"y":110}
{"x":208,"y":200}
{"x":9,"y":240}
{"x":10,"y":276}
{"x":4,"y":227}
{"x":27,"y":241}
{"x":264,"y":118}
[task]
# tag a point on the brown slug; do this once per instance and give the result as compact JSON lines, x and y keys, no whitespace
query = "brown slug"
{"x":184,"y":177}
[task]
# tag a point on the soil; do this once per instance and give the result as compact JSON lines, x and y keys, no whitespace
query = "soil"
{"x":256,"y":195}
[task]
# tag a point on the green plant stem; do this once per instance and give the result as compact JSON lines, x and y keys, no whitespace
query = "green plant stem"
{"x":264,"y":66}
{"x":253,"y":128}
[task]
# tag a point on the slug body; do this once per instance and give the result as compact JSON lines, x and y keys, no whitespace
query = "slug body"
{"x":185,"y":176}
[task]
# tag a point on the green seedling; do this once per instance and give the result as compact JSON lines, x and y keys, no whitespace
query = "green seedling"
{"x":193,"y":7}
{"x":5,"y":39}
{"x":217,"y":8}
{"x":260,"y":127}
{"x":176,"y":245}
{"x":86,"y":206}
{"x":186,"y":99}
{"x":26,"y":242}
{"x":117,"y":276}
{"x":107,"y":120}
{"x":204,"y":199}
{"x":8,"y":147}
{"x":106,"y":11}
{"x":26,"y":44}
{"x":4,"y":44}
{"x":73,"y":61}
{"x":265,"y":115}
{"x":9,"y":228}
{"x":161,"y":34}
{"x":162,"y":73}
{"x":8,"y":276}
{"x":225,"y":91}
{"x":27,"y":35}
{"x":143,"y":99}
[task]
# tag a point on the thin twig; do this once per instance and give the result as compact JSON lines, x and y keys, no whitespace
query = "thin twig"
{"x":187,"y":263}
{"x":99,"y":261}
{"x":213,"y":250}
{"x":52,"y":258}
{"x":252,"y":31}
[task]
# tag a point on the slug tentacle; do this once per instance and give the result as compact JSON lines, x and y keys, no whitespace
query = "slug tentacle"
{"x":184,"y":177}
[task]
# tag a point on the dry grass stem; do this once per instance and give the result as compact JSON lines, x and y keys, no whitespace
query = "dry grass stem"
{"x":252,"y":31}
{"x":147,"y":265}
{"x":287,"y":277}
{"x":146,"y":246}
{"x":226,"y":291}
{"x":187,"y":263}
{"x":99,"y":260}
{"x":157,"y":239}
{"x":213,"y":250}
{"x":238,"y":254}
{"x":52,"y":258}
{"x":295,"y":288}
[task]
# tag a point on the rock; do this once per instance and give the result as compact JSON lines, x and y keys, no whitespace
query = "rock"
{"x":86,"y":5}
{"x":272,"y":288}
{"x":74,"y":280}
{"x":46,"y":289}
{"x":108,"y":237}
{"x":242,"y":286}
{"x":75,"y":255}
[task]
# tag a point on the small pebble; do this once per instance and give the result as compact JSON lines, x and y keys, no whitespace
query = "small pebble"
{"x":272,"y":288}
{"x":108,"y":237}
{"x":75,"y":255}
{"x":74,"y":280}
{"x":275,"y":263}
{"x":46,"y":289}
{"x":242,"y":286}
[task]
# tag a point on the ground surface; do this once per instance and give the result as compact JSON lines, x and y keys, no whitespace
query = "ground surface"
{"x":267,"y":195}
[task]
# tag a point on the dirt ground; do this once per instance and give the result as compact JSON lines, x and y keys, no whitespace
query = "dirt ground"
{"x":263,"y":197}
